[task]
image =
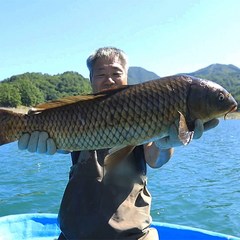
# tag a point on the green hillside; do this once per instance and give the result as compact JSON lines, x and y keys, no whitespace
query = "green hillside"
{"x":29,"y":89}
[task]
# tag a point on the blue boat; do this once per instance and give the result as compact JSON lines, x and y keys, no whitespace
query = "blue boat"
{"x":42,"y":226}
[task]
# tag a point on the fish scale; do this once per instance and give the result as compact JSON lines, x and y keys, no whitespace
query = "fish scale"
{"x":130,"y":115}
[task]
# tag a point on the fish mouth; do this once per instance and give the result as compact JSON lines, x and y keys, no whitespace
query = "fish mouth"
{"x":233,"y":109}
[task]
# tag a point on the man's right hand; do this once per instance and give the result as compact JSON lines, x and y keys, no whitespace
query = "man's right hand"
{"x":37,"y":142}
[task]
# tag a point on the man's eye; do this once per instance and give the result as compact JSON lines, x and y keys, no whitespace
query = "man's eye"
{"x":117,"y":74}
{"x":100,"y":75}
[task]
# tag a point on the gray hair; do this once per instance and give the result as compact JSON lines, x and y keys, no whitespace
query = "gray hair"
{"x":107,"y":53}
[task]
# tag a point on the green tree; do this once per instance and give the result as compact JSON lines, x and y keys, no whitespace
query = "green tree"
{"x":9,"y":96}
{"x":30,"y":94}
{"x":72,"y":83}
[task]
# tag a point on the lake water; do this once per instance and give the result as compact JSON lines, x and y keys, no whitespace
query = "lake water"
{"x":199,"y":187}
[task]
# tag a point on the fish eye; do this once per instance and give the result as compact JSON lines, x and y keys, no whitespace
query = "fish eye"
{"x":221,"y":97}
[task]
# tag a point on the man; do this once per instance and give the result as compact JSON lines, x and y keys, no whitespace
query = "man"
{"x":114,"y":204}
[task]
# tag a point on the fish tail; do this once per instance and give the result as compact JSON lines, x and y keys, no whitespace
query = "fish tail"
{"x":8,"y":126}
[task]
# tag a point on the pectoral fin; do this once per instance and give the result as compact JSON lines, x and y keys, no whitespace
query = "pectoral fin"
{"x":184,"y":134}
{"x":116,"y":155}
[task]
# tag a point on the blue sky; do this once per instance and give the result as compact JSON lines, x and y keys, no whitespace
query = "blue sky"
{"x":163,"y":36}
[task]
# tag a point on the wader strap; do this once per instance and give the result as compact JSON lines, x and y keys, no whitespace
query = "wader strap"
{"x":75,"y":156}
{"x":139,"y":158}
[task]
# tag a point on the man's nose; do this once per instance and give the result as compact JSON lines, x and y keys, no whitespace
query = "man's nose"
{"x":109,"y":79}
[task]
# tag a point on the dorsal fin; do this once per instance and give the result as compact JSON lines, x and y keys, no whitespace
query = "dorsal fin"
{"x":65,"y":101}
{"x":74,"y":99}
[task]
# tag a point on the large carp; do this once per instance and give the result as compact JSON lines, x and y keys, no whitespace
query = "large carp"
{"x":126,"y":116}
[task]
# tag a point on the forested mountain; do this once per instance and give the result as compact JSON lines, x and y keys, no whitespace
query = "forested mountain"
{"x":139,"y":75}
{"x":29,"y":89}
{"x":227,"y":76}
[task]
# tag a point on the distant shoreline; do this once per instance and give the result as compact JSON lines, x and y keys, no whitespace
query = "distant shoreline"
{"x":21,"y":109}
{"x":234,"y":115}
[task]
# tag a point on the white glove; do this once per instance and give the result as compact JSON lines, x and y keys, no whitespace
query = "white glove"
{"x":37,"y":142}
{"x":173,"y":140}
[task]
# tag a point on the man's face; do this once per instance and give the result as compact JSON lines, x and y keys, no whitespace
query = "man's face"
{"x":108,"y":73}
